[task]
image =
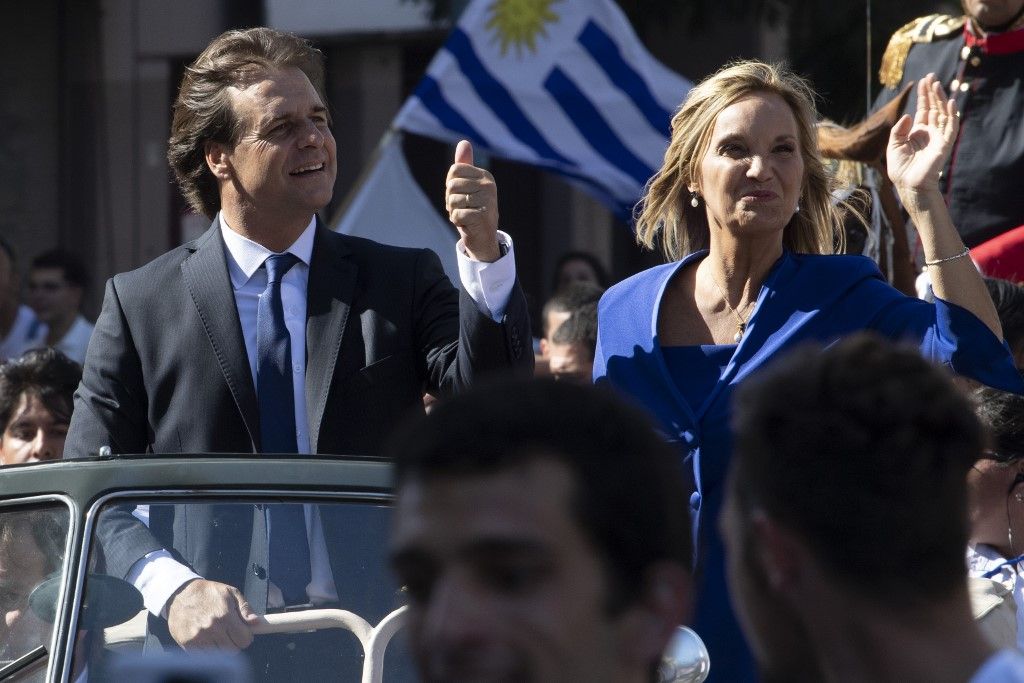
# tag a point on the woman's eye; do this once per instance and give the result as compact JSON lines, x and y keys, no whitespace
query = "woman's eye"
{"x":731,"y":150}
{"x":785,"y":149}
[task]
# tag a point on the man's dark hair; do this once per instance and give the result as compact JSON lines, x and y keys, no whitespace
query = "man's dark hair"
{"x":575,"y":296}
{"x":629,"y":497}
{"x":1003,"y":414}
{"x":68,"y":263}
{"x":863,"y":450}
{"x":579,"y":328}
{"x":45,"y":373}
{"x":1008,"y":298}
{"x":203,"y":110}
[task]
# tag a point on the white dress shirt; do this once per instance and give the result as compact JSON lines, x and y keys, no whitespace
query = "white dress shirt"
{"x":158,"y":575}
{"x":74,"y":342}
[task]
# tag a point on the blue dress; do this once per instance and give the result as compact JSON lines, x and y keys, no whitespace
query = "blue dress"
{"x":804,"y":298}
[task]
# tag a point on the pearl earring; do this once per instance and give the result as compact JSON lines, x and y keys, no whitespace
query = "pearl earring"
{"x":693,"y":200}
{"x":798,"y":207}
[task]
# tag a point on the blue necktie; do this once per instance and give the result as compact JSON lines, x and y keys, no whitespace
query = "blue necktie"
{"x":289,"y":550}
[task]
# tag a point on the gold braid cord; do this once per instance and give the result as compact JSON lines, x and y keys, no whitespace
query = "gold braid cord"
{"x":921,"y":30}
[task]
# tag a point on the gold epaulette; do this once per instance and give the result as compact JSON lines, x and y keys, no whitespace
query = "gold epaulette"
{"x":921,"y":30}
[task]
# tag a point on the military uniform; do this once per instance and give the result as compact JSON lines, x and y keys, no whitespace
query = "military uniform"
{"x":983,"y":181}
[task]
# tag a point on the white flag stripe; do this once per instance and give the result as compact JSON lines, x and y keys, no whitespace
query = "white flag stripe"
{"x":580,"y":95}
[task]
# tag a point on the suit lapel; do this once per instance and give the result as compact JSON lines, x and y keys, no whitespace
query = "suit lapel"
{"x":206,"y":275}
{"x":332,"y":282}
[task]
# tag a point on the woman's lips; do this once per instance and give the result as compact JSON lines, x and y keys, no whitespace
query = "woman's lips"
{"x":760,"y":195}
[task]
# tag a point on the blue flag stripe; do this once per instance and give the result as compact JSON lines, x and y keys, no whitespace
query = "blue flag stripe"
{"x":429,"y":93}
{"x":593,"y":127}
{"x":498,"y":98}
{"x":600,"y":46}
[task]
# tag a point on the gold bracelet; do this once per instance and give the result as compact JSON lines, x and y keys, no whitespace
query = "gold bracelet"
{"x":936,"y":262}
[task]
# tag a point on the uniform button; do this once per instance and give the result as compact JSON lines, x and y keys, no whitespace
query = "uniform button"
{"x":964,"y":87}
{"x":695,"y":500}
{"x":955,"y":85}
{"x":296,"y":369}
{"x":258,"y":571}
{"x":975,"y":61}
{"x":965,"y":52}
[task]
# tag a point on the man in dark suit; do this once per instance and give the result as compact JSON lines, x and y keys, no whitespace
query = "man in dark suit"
{"x":271,"y":333}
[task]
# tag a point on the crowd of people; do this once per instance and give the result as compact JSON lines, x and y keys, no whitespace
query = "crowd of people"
{"x":775,"y":451}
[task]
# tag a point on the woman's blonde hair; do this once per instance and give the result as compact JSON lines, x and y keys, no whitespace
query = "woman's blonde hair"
{"x":665,"y":209}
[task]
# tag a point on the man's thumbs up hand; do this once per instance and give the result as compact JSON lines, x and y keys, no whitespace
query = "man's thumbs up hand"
{"x":471,"y":198}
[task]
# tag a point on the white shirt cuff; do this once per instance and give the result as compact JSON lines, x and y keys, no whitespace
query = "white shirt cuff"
{"x":158,"y":576}
{"x":488,"y":284}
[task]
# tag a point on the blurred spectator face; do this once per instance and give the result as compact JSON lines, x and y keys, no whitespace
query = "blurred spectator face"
{"x":33,"y":433}
{"x":52,"y":296}
{"x":22,"y":567}
{"x":503,"y":583}
{"x":991,"y":13}
{"x":571,"y":361}
{"x":577,"y":270}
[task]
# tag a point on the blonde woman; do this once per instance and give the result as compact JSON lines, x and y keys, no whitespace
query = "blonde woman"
{"x":742,"y":208}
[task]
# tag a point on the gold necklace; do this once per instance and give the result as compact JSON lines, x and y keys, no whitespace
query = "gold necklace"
{"x":741,"y":323}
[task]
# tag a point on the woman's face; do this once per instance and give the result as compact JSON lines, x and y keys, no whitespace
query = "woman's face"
{"x":988,"y":490}
{"x":753,"y":170}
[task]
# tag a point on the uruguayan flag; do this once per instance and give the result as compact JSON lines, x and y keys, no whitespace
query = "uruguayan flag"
{"x":563,"y":84}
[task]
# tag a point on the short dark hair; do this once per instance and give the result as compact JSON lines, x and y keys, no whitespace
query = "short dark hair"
{"x":629,"y":496}
{"x":576,"y":295}
{"x":862,"y":449}
{"x":46,"y":373}
{"x":1008,"y":298}
{"x":203,"y":111}
{"x":1003,"y":414}
{"x":579,"y":328}
{"x":68,"y":263}
{"x":586,"y":257}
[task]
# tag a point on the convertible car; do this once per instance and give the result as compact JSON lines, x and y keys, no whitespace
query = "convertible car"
{"x":67,"y":615}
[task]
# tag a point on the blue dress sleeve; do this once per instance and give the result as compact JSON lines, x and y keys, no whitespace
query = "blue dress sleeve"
{"x":950,"y":335}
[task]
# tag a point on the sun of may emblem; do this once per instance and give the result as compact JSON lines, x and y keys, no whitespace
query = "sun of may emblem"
{"x":519,"y":22}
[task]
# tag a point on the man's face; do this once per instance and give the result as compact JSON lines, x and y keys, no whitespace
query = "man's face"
{"x":33,"y":434}
{"x":991,"y":13}
{"x":54,"y":299}
{"x":283,"y":163}
{"x":22,"y":568}
{"x":571,"y":361}
{"x":503,"y":585}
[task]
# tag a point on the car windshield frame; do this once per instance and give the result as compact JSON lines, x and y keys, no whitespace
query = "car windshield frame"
{"x":86,"y":485}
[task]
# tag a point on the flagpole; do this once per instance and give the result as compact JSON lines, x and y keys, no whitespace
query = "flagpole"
{"x":364,"y":174}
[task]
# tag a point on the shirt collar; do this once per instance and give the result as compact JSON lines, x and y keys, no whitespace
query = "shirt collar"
{"x":245,"y":256}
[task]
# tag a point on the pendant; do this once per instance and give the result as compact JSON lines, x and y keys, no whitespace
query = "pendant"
{"x":739,"y":333}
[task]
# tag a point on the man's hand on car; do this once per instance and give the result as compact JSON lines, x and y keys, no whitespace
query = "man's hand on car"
{"x":210,"y":615}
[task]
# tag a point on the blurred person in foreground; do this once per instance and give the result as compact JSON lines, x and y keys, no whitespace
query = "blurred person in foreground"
{"x":743,"y":208}
{"x":538,"y":533}
{"x":16,"y":319}
{"x":36,"y":398}
{"x":996,"y":504}
{"x":56,"y":285}
{"x":846,"y":520}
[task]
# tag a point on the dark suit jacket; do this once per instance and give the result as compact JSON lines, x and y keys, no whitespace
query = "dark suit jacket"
{"x":167,"y":372}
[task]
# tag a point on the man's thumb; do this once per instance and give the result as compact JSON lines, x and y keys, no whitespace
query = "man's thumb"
{"x":464,"y":153}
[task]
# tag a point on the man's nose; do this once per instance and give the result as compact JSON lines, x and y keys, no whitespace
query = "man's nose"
{"x":313,"y":136}
{"x":452,"y":615}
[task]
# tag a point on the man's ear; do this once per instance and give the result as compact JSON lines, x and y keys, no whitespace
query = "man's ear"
{"x":545,"y":347}
{"x":778,"y":551}
{"x":649,"y":623}
{"x":218,"y":159}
